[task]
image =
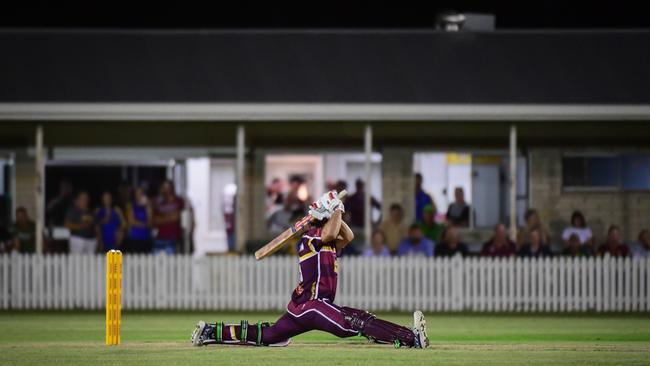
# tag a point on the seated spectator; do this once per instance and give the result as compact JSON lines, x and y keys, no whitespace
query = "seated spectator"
{"x":580,"y":228}
{"x":458,"y":211}
{"x":377,"y":246}
{"x":451,"y":244}
{"x":500,"y":245}
{"x":393,"y":228}
{"x":614,"y":245}
{"x":355,"y":205}
{"x":81,"y":223}
{"x":533,"y":223}
{"x":430,"y":228}
{"x":534,"y":248}
{"x":167,"y":219}
{"x":109,"y":224}
{"x":575,"y":249}
{"x":416,"y":243}
{"x":422,"y":199}
{"x":138,"y":216}
{"x":642,"y":249}
{"x":23,"y":232}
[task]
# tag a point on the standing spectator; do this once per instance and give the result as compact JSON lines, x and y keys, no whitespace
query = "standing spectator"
{"x":422,"y":199}
{"x":274,"y":196}
{"x":534,"y":248}
{"x":500,"y":245}
{"x":167,"y":219}
{"x":430,"y":228}
{"x":614,"y":245}
{"x":451,"y":244}
{"x":138,"y":216}
{"x":229,"y":208}
{"x":416,"y":243}
{"x":79,"y":220}
{"x":23,"y":232}
{"x":458,"y":211}
{"x":109,"y":224}
{"x":393,"y":228}
{"x":298,"y":197}
{"x":575,"y":249}
{"x":580,"y":228}
{"x":355,"y":204}
{"x":642,"y":249}
{"x":533,"y":223}
{"x":58,"y":207}
{"x":377,"y":246}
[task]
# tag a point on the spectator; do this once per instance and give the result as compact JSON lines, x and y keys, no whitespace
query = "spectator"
{"x":416,"y":243}
{"x":109,"y":224}
{"x":614,"y":245}
{"x":500,"y":245}
{"x":355,"y":204}
{"x":534,"y":248}
{"x":575,"y":249}
{"x":167,"y":219}
{"x":274,"y":196}
{"x":377,"y":246}
{"x":138,"y":216}
{"x":79,"y":220}
{"x":458,"y":211}
{"x":297,"y":198}
{"x":451,"y":244}
{"x":422,"y":199}
{"x":642,"y":249}
{"x":430,"y":228}
{"x":393,"y":228}
{"x":533,"y":223}
{"x":579,"y":227}
{"x":229,"y":207}
{"x":58,"y":207}
{"x":23,"y":232}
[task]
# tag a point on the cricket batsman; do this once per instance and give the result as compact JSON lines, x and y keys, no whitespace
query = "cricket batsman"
{"x":312,"y":302}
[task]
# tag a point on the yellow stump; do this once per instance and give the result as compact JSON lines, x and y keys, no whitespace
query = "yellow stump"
{"x":113,"y":296}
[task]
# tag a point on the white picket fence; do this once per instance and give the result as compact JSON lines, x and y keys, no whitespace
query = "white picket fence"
{"x":241,"y":283}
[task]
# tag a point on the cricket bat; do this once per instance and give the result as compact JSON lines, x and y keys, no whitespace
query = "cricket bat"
{"x":296,"y":229}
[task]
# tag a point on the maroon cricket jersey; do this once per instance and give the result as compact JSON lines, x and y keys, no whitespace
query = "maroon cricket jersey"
{"x":318,"y":268}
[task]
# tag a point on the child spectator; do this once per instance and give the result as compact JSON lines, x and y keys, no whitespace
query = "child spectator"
{"x":110,"y":224}
{"x":377,"y":246}
{"x":81,"y":223}
{"x":23,"y":232}
{"x":458,"y":211}
{"x":575,"y":249}
{"x":614,"y":245}
{"x":500,"y":245}
{"x":533,"y":223}
{"x":580,"y":228}
{"x":534,"y":248}
{"x":642,"y":249}
{"x":450,"y":244}
{"x":430,"y":228}
{"x":393,"y":228}
{"x":416,"y":243}
{"x":138,"y":216}
{"x":422,"y":199}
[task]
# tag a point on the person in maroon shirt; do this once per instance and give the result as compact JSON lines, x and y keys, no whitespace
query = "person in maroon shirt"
{"x":500,"y":245}
{"x":167,"y":219}
{"x":312,"y":304}
{"x":614,"y":245}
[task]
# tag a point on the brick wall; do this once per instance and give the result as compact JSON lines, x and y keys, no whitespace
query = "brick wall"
{"x":629,"y":210}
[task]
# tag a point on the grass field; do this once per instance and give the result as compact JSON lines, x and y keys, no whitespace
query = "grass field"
{"x":162,"y":338}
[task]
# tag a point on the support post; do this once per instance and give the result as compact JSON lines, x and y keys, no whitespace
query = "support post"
{"x":367,"y":227}
{"x":240,"y":228}
{"x":513,"y":182}
{"x":40,"y":191}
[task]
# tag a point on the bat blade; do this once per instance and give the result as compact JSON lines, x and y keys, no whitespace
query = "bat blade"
{"x":281,"y":240}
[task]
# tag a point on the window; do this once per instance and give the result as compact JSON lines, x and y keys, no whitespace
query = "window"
{"x":606,"y":172}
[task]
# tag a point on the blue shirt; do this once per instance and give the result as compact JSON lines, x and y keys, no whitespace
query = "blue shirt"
{"x":369,"y":253}
{"x":421,"y":199}
{"x":424,"y":248}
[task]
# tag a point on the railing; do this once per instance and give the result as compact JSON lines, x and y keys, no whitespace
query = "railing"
{"x":240,"y":283}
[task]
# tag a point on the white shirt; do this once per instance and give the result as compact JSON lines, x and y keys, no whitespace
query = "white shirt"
{"x":584,"y":233}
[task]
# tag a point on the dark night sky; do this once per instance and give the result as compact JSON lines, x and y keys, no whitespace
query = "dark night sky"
{"x":325,"y":14}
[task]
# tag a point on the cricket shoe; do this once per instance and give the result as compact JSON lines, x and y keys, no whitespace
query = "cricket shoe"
{"x":420,"y":330}
{"x":201,"y":334}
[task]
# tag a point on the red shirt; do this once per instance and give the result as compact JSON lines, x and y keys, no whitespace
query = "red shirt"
{"x":170,"y":230}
